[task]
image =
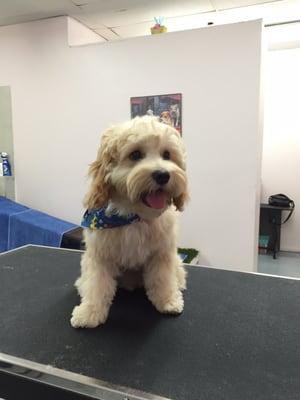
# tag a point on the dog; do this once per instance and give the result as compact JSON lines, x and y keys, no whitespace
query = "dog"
{"x":175,"y":115}
{"x":138,"y":182}
{"x":165,"y":117}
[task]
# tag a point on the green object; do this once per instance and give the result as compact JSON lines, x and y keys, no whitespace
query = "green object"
{"x":264,"y":241}
{"x":187,"y":255}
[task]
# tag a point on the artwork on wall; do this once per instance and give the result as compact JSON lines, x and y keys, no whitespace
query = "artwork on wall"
{"x":167,"y":107}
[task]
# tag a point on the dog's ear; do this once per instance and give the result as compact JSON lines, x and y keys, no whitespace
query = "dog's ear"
{"x":180,"y":201}
{"x":99,"y":192}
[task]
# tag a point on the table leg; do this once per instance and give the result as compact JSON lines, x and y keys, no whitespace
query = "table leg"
{"x":275,"y":238}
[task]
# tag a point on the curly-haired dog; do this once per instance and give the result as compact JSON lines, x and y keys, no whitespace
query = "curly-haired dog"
{"x":138,"y":179}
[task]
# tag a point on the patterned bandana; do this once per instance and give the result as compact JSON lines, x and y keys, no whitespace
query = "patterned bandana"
{"x":97,"y":219}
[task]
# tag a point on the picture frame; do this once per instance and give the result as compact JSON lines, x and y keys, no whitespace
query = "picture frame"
{"x":167,"y":107}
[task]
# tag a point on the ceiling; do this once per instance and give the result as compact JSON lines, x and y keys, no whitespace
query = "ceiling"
{"x":117,"y":19}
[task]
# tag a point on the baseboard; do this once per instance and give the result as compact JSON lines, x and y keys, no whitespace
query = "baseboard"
{"x":290,"y":250}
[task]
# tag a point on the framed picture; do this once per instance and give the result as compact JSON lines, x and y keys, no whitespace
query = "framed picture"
{"x":168,"y":107}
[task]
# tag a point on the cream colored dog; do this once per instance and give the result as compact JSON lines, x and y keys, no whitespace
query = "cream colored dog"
{"x":140,"y":170}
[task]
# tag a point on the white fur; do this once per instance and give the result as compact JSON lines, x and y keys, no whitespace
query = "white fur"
{"x":145,"y":252}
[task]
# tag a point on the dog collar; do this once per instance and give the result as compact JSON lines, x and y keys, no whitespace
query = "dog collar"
{"x":98,"y":219}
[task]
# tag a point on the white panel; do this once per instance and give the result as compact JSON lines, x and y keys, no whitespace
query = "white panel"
{"x":64,"y":97}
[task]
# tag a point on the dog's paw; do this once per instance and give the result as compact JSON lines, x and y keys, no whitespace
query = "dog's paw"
{"x":86,"y":316}
{"x":173,"y":306}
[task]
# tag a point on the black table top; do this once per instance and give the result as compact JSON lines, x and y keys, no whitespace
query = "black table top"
{"x":238,"y":338}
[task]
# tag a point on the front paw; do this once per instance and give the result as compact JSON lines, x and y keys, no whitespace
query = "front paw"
{"x":174,"y":305}
{"x":87,"y":316}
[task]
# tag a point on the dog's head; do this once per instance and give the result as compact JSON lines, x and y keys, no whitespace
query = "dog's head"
{"x":141,"y":167}
{"x":165,"y":117}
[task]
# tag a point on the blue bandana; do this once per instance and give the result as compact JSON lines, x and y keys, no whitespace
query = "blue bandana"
{"x":97,"y":219}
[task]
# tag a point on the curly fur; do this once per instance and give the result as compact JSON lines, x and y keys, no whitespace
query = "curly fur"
{"x":143,"y":253}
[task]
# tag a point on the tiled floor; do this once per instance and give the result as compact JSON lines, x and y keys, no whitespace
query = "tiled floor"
{"x":286,"y":264}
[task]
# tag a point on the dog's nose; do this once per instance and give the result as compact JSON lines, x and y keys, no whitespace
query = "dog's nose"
{"x":161,"y":177}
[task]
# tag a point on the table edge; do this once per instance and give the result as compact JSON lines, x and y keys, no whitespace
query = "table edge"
{"x":71,"y":381}
{"x":186,"y":265}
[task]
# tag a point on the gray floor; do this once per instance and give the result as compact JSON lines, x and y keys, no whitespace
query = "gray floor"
{"x":286,"y":264}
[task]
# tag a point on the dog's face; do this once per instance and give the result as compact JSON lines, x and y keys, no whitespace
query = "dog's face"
{"x":165,"y":117}
{"x":140,"y":166}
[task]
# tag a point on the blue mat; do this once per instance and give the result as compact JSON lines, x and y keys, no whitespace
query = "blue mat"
{"x":7,"y":209}
{"x":34,"y":227}
{"x":20,"y":225}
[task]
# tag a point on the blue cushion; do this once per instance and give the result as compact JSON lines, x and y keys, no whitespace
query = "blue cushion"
{"x":35,"y":227}
{"x":7,"y":209}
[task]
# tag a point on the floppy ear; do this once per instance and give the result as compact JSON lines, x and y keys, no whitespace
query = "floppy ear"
{"x":180,"y":201}
{"x":99,"y":192}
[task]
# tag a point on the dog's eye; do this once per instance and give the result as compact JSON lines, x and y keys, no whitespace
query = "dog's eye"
{"x":166,"y":155}
{"x":135,"y":155}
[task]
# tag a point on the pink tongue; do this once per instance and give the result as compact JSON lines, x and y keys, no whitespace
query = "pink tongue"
{"x":156,"y":200}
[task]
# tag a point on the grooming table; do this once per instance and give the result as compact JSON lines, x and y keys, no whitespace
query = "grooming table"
{"x":237,"y":339}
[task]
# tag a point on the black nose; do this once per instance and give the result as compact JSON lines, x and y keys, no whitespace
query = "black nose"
{"x":161,"y":177}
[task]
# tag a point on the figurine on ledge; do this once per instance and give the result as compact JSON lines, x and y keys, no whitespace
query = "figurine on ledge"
{"x":158,"y":27}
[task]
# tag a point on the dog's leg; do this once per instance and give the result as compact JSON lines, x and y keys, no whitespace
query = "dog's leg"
{"x":163,"y":284}
{"x":181,"y":277}
{"x":97,"y":288}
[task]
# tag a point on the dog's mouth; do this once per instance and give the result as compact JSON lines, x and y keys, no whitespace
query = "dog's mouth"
{"x":157,"y":199}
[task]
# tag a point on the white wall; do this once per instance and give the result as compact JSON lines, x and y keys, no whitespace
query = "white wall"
{"x":281,"y":148}
{"x":7,"y":183}
{"x":64,"y":97}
